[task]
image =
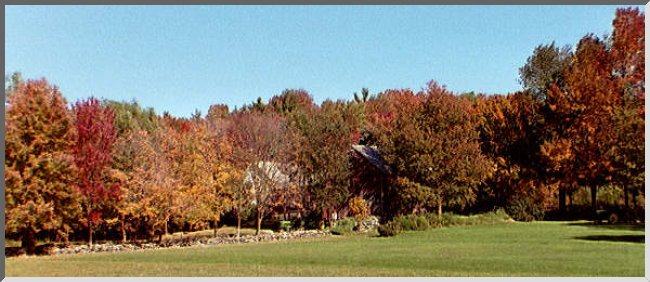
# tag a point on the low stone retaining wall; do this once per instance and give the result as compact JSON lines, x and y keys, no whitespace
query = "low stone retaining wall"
{"x":187,"y":242}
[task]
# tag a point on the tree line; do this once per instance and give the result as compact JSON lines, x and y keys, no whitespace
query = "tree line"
{"x":114,"y":167}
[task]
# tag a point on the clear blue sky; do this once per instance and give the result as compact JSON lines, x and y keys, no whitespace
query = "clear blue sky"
{"x":183,"y":58}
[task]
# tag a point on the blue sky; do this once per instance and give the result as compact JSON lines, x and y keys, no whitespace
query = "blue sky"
{"x":182,"y":58}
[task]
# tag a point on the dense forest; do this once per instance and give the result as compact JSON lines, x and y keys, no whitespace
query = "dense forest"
{"x":570,"y":142}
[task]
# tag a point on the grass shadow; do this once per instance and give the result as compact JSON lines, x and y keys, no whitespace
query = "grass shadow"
{"x":614,"y":238}
{"x":620,"y":226}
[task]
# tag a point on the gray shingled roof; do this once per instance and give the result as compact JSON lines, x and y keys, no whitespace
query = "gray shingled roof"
{"x":373,"y":156}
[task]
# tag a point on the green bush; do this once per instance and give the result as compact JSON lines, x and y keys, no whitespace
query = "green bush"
{"x":391,"y":228}
{"x":285,"y":225}
{"x":498,"y":216}
{"x":525,"y":209}
{"x":344,"y":226}
{"x":423,"y":222}
{"x":407,"y":222}
{"x":434,"y":220}
{"x":450,"y":219}
{"x":447,"y":219}
{"x":412,"y":222}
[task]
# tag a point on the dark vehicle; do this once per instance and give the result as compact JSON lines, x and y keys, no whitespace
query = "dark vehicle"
{"x":615,"y":214}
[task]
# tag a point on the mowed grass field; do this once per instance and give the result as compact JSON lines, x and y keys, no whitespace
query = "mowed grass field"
{"x":517,"y":249}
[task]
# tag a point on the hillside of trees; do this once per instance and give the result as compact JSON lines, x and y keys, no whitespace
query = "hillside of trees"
{"x":571,"y":140}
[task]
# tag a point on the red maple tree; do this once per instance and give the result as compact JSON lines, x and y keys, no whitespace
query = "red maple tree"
{"x":92,"y":155}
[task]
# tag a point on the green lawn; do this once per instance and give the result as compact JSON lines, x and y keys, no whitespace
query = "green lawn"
{"x":518,"y":249}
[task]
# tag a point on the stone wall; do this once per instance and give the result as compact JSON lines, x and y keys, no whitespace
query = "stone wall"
{"x":187,"y":241}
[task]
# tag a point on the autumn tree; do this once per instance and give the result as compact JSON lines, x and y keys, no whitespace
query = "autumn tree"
{"x":223,"y":174}
{"x":205,"y":172}
{"x":149,"y":192}
{"x":228,"y":175}
{"x":260,"y":149}
{"x":511,"y":128}
{"x":239,"y":196}
{"x":93,"y":151}
{"x":627,"y":55}
{"x":431,"y":140}
{"x":546,"y":68}
{"x":592,"y":110}
{"x":38,"y":168}
{"x":135,"y":126}
{"x":329,"y":133}
{"x":627,"y":51}
{"x":193,"y":176}
{"x":581,"y":115}
{"x":296,"y":106}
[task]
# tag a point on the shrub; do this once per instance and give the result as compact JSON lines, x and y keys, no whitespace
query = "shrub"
{"x":407,"y":222}
{"x":450,"y":219}
{"x":435,"y":220}
{"x":344,"y":226}
{"x":525,"y":209}
{"x":497,"y":216}
{"x":358,"y":208}
{"x":285,"y":225}
{"x":391,"y":228}
{"x":421,"y":223}
{"x":412,"y":222}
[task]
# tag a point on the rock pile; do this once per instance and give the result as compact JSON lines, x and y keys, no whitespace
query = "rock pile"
{"x":368,"y":224}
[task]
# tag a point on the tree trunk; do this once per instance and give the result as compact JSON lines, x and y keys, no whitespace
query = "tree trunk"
{"x":152,"y":234}
{"x":594,"y":190}
{"x":67,"y":236}
{"x":439,"y":207}
{"x":123,"y":227}
{"x":562,"y":201}
{"x":284,"y":212}
{"x":29,"y":240}
{"x":323,"y":216}
{"x":238,"y":224}
{"x":627,"y":201}
{"x":90,"y":232}
{"x":330,"y":217}
{"x":216,"y":226}
{"x":259,"y":221}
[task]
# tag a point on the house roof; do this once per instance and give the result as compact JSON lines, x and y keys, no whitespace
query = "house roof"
{"x":373,"y":156}
{"x":269,"y":170}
